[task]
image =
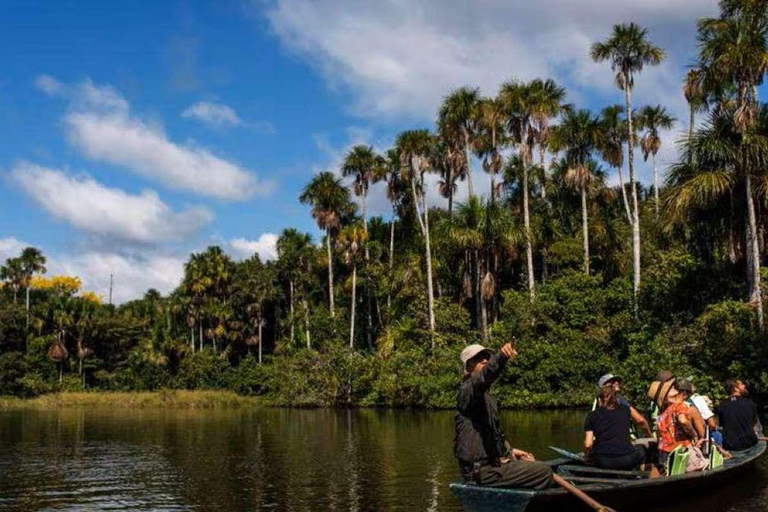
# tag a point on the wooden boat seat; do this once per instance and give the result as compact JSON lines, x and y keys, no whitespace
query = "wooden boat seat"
{"x":600,"y":471}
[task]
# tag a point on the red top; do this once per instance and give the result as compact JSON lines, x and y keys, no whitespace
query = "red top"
{"x":671,"y":433}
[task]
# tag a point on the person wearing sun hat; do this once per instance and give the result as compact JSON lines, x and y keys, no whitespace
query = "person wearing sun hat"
{"x":674,"y":425}
{"x":484,"y":455}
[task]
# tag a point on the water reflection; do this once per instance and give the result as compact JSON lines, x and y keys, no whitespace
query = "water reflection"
{"x":267,"y":459}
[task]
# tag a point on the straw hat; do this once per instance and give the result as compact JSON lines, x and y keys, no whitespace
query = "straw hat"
{"x":658,"y":391}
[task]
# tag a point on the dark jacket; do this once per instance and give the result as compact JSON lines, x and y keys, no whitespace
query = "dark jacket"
{"x":479,"y":437}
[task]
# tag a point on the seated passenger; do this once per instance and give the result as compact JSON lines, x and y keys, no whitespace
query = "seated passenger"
{"x":738,"y":417}
{"x":607,"y":442}
{"x":685,"y":388}
{"x":637,"y":418}
{"x":674,"y":425}
{"x":708,"y":426}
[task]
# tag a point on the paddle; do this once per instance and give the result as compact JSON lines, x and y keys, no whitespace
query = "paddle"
{"x":581,"y":495}
{"x":567,"y":454}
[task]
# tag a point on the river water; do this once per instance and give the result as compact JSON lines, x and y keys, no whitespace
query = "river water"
{"x":265,"y":459}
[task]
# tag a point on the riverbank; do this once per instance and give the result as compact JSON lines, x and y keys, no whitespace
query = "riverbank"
{"x":166,"y":399}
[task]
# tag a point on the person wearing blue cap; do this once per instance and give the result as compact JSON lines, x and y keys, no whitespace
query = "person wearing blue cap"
{"x":610,"y":379}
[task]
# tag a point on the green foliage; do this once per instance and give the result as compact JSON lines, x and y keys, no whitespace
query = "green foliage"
{"x":203,"y":370}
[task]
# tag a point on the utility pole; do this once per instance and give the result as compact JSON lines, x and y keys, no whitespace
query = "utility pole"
{"x":110,"y":289}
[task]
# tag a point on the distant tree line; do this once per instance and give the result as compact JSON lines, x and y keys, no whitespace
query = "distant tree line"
{"x":585,"y":276}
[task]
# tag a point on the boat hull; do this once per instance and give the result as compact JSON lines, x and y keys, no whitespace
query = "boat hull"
{"x":623,"y":495}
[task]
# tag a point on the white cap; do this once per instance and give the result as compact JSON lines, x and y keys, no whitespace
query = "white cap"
{"x":471,"y":351}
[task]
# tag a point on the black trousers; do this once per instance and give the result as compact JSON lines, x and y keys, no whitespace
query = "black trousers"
{"x":622,"y":462}
{"x":515,"y":473}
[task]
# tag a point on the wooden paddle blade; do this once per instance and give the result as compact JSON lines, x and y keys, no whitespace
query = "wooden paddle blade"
{"x":567,"y":454}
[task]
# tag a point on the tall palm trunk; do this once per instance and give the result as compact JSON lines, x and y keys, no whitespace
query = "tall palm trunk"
{"x":470,"y":188}
{"x":201,"y":335}
{"x":424,"y":225}
{"x":27,"y":308}
{"x":691,"y":123}
{"x":635,"y":209}
{"x":543,"y":181}
{"x":624,"y":199}
{"x":478,"y":293}
{"x":527,"y":222}
{"x":369,"y":332}
{"x":483,"y":317}
{"x":330,"y":269}
{"x":585,"y":227}
{"x":352,"y":308}
{"x":306,"y":321}
{"x":755,"y":295}
{"x":391,"y":263}
{"x":430,"y":291}
{"x":655,"y":184}
{"x":261,"y":338}
{"x":290,"y":292}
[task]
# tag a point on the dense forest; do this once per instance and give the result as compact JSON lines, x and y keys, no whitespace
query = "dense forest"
{"x":584,"y":276}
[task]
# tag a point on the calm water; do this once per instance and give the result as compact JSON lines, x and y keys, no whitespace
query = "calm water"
{"x":269,"y":459}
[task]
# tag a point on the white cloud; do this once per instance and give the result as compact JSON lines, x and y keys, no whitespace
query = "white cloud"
{"x":265,"y":246}
{"x":89,"y":205}
{"x":49,"y":85}
{"x":10,"y":247}
{"x":215,"y":114}
{"x":99,"y":123}
{"x":132,"y":274}
{"x":399,"y":59}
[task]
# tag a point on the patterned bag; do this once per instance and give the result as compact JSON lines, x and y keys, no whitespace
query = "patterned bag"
{"x":696,"y":460}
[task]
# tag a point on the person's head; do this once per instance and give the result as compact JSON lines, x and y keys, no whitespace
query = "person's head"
{"x":608,"y":397}
{"x":659,"y":391}
{"x":474,"y":358}
{"x":610,"y":379}
{"x":735,"y":387}
{"x":684,"y":387}
{"x":673,"y":396}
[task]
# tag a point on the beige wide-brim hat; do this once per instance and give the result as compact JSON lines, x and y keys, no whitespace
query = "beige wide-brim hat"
{"x":472,"y":351}
{"x":658,"y":391}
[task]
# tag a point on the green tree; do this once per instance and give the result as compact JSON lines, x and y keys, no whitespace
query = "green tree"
{"x":458,"y":113}
{"x":330,"y":203}
{"x":578,"y":135}
{"x":652,"y":119}
{"x":349,"y":242}
{"x":414,"y":148}
{"x":629,"y":51}
{"x":32,"y":262}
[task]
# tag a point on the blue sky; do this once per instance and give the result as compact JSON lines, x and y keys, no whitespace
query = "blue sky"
{"x":133,"y":133}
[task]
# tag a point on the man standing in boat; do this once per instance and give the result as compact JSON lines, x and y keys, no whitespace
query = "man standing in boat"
{"x":485,"y":457}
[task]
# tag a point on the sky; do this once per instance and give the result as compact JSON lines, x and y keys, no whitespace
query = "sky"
{"x":134,"y":133}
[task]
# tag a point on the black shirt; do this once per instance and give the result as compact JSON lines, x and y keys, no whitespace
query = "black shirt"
{"x":611,"y":429}
{"x":738,"y":417}
{"x":478,"y":430}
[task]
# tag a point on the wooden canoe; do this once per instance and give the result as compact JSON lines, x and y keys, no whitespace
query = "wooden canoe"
{"x":622,"y":492}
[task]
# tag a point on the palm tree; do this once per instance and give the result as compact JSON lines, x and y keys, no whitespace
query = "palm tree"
{"x":520,"y":102}
{"x":330,"y":202}
{"x":349,"y":241}
{"x":13,"y":274}
{"x":578,"y":135}
{"x":32,"y":262}
{"x":611,"y":148}
{"x":628,"y":51}
{"x":390,"y":173}
{"x":733,"y":55}
{"x":492,"y":116}
{"x":414,"y":148}
{"x":652,"y":119}
{"x":294,"y":251}
{"x":361,"y":163}
{"x":694,"y":93}
{"x":549,"y":104}
{"x":733,"y":58}
{"x":459,"y":113}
